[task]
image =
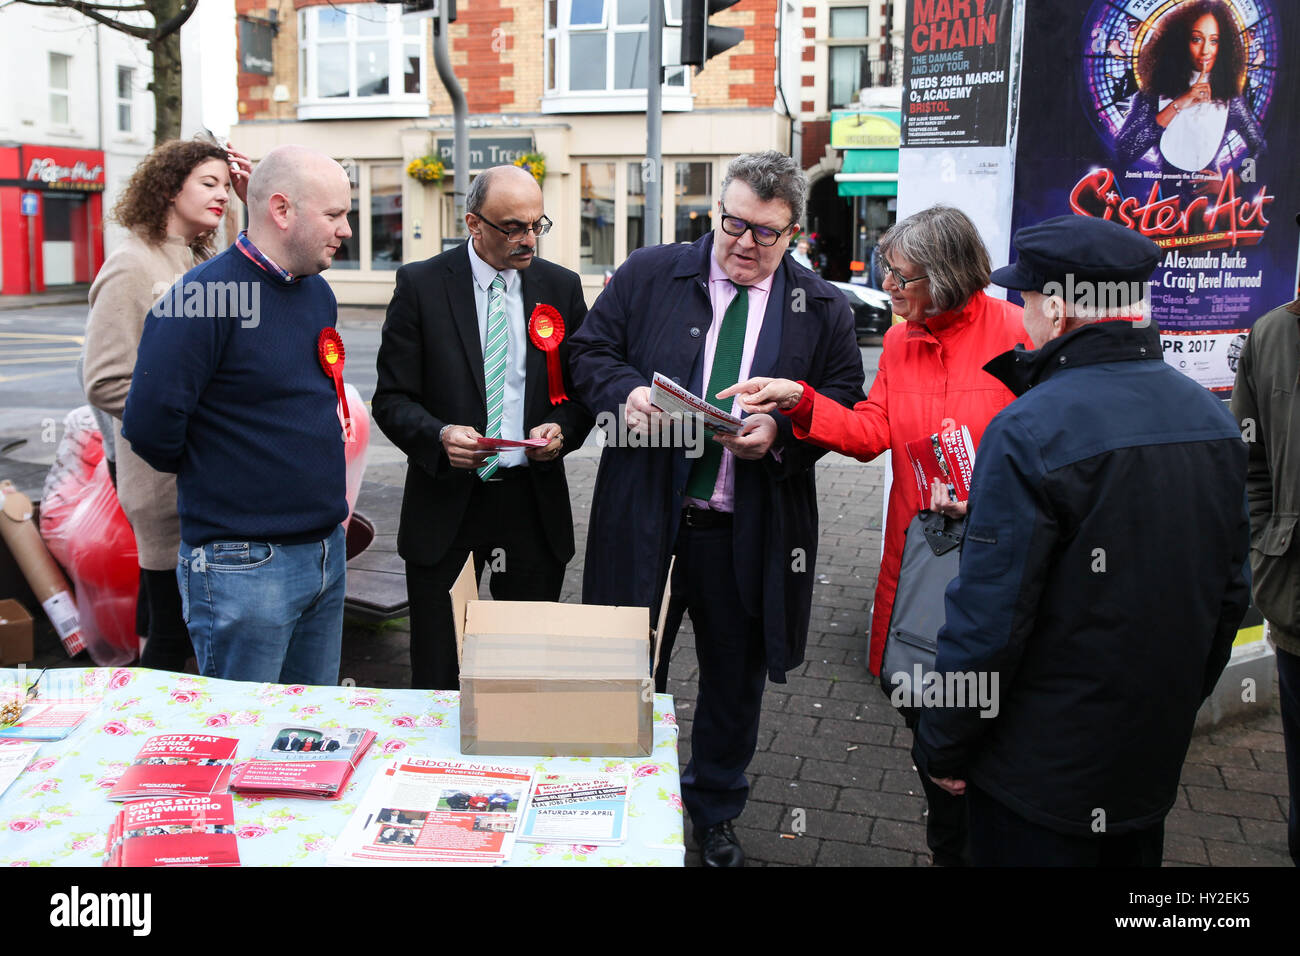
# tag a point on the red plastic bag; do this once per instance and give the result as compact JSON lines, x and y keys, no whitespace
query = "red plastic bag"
{"x":88,"y":534}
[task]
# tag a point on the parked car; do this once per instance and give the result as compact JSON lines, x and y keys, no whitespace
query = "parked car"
{"x":872,"y":314}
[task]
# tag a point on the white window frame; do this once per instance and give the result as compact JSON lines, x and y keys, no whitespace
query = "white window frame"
{"x":607,"y":100}
{"x":622,"y":172}
{"x":313,"y":106}
{"x":128,"y":101}
{"x":861,"y":42}
{"x":865,"y":42}
{"x":363,"y":170}
{"x":64,"y":92}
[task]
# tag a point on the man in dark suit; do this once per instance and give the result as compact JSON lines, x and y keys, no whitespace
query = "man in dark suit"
{"x":475,"y":346}
{"x":739,"y":513}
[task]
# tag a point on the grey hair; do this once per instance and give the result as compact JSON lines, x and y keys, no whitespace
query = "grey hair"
{"x":476,"y":195}
{"x":943,"y":244}
{"x":772,"y":175}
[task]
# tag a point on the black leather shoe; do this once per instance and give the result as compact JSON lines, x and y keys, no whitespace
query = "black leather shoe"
{"x":719,"y":846}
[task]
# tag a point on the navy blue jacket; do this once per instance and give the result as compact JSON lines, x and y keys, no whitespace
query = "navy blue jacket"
{"x":653,"y":317}
{"x":1102,"y":581}
{"x":239,"y":407}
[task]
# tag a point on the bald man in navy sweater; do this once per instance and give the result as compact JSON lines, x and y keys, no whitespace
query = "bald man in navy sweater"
{"x":230,"y":394}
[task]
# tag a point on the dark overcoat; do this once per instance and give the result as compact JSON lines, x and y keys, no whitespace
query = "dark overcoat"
{"x":430,"y":368}
{"x":653,"y":317}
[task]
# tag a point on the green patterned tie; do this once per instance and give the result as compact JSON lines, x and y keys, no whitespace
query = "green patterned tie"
{"x":724,"y":374}
{"x":494,"y":367}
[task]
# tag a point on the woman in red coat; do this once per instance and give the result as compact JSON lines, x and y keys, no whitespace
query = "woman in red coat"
{"x":931,"y":372}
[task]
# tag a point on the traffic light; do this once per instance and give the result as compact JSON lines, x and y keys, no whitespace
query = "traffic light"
{"x":700,"y":39}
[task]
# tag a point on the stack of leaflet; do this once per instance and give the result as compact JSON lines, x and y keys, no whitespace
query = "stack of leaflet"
{"x":175,"y":831}
{"x":14,"y":757}
{"x":178,"y":765}
{"x":421,"y":811}
{"x":947,"y":457}
{"x":46,"y":720}
{"x":577,"y":808}
{"x":294,"y":761}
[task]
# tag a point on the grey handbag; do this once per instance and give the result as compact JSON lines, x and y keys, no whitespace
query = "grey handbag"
{"x":931,"y":552}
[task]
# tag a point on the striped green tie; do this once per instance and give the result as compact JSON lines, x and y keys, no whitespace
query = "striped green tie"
{"x":724,"y":374}
{"x":494,"y":367}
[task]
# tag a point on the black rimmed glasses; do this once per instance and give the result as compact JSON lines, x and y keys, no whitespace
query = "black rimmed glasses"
{"x":735,"y":226}
{"x":901,"y":280}
{"x":540,"y":228}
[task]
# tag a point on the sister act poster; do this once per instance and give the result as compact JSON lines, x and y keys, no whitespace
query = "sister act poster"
{"x":1178,"y":119}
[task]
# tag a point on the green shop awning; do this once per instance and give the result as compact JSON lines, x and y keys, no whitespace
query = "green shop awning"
{"x":868,"y":172}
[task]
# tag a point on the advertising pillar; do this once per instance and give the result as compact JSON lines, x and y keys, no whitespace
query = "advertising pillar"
{"x":960,"y":75}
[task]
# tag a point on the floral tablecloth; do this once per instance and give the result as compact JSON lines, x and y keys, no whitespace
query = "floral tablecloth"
{"x":56,"y":813}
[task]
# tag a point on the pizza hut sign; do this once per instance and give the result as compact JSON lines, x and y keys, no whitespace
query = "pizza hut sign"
{"x":79,"y":175}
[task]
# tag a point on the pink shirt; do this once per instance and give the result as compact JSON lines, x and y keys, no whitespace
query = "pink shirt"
{"x":721,"y":292}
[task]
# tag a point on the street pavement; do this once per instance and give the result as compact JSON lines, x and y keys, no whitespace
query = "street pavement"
{"x":833,"y":782}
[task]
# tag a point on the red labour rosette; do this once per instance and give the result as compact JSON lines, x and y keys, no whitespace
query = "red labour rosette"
{"x":329,"y":349}
{"x":546,"y":332}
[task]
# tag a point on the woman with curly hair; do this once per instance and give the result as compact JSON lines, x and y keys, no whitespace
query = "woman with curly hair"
{"x":171,"y":206}
{"x":1191,"y":73}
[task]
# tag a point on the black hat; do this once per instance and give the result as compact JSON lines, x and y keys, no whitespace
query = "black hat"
{"x":1084,"y":247}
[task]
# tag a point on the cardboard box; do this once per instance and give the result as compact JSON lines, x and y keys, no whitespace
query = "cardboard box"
{"x":15,"y":634}
{"x":541,"y":678}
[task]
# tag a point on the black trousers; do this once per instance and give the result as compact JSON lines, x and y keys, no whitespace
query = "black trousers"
{"x":733,"y":672}
{"x":158,"y":615}
{"x":503,"y":530}
{"x":168,"y":647}
{"x":947,"y":822}
{"x":947,"y":825}
{"x":1288,"y":692}
{"x":999,"y":837}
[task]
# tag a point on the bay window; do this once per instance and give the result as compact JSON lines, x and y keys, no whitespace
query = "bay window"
{"x":360,"y":60}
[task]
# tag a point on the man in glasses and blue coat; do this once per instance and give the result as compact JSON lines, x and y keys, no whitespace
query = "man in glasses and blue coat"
{"x":739,"y":513}
{"x":474,"y":352}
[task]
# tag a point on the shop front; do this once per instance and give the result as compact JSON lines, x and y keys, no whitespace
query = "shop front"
{"x":593,"y":172}
{"x":868,"y":178}
{"x":51,"y":217}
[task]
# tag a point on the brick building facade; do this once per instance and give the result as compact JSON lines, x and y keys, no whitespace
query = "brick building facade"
{"x":563,"y":78}
{"x":852,"y":52}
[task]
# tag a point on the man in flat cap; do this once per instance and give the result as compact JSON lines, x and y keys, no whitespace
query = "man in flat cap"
{"x":1102,"y":575}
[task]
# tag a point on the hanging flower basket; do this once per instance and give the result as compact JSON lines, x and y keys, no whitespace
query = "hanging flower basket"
{"x":426,"y":169}
{"x":535,"y":163}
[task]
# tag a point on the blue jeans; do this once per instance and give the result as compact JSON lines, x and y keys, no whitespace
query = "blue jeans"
{"x":266,"y":612}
